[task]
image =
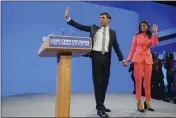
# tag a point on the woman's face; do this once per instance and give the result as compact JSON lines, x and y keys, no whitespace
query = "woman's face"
{"x":143,"y":27}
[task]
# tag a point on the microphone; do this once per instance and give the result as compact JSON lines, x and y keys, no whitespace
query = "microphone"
{"x":72,"y":32}
{"x":44,"y":38}
{"x":62,"y":31}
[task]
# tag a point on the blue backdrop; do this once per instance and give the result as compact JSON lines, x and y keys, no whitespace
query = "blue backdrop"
{"x":25,"y":23}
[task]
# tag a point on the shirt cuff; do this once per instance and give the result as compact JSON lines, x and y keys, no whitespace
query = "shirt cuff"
{"x":123,"y":60}
{"x":68,"y":19}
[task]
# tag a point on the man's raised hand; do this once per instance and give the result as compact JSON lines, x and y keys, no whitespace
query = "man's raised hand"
{"x":67,"y":12}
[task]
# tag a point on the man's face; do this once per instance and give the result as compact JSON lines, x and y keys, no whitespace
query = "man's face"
{"x":171,"y":55}
{"x":104,"y":20}
{"x":155,"y":54}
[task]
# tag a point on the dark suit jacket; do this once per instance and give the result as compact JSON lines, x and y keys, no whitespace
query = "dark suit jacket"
{"x":168,"y":66}
{"x":131,"y":69}
{"x":93,"y":29}
{"x":159,"y":74}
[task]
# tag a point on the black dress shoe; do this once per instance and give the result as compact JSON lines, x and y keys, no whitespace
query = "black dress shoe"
{"x":145,"y":107}
{"x":141,"y":110}
{"x":106,"y":109}
{"x":101,"y":113}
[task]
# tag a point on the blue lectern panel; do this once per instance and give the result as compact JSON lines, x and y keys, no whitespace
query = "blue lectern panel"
{"x":70,"y":42}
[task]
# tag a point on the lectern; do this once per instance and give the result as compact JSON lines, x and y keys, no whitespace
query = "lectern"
{"x":64,"y":48}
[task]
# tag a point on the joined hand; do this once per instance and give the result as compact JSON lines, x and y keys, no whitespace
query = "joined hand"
{"x":125,"y":63}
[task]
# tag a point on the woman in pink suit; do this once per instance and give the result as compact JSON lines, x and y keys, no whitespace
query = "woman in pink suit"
{"x":141,"y":56}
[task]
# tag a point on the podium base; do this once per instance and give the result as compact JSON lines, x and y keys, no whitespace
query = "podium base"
{"x":63,"y":91}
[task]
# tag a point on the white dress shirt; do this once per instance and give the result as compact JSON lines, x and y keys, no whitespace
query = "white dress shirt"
{"x":98,"y":39}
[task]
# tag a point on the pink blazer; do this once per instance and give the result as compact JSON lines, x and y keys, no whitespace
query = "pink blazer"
{"x":140,"y":49}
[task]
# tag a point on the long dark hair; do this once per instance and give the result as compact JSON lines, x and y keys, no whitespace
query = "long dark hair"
{"x":149,"y":32}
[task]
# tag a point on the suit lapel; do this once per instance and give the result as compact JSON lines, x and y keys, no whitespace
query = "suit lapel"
{"x":110,"y":37}
{"x":95,"y":31}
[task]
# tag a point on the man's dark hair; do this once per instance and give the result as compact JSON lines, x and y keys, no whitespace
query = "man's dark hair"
{"x":105,"y":13}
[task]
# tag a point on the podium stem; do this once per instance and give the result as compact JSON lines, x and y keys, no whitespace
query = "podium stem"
{"x":63,"y":91}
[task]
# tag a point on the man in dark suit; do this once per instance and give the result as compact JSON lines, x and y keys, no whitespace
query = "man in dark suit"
{"x":168,"y":65}
{"x":103,"y":39}
{"x":157,"y":78}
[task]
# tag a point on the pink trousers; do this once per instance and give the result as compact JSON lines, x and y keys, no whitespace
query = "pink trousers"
{"x":143,"y":70}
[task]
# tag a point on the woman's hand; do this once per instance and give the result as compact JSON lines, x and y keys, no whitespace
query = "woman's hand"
{"x":125,"y":63}
{"x":155,"y":28}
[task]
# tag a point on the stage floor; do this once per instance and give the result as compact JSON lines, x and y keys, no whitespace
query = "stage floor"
{"x":82,"y":105}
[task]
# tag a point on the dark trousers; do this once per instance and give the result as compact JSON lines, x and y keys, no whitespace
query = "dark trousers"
{"x":157,"y":87}
{"x":170,"y":81}
{"x":100,"y":72}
